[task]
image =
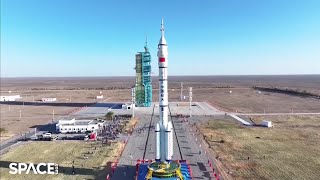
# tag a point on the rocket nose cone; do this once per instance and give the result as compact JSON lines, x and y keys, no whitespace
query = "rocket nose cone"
{"x":162,"y":41}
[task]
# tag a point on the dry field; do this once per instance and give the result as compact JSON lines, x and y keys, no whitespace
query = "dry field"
{"x":289,"y":150}
{"x":34,"y":112}
{"x":31,"y":116}
{"x":247,"y":100}
{"x":77,"y":92}
{"x":97,"y":166}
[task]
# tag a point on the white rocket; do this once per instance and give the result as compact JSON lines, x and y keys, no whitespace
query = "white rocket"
{"x":164,"y":130}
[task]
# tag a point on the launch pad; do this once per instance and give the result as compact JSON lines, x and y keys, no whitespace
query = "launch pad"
{"x":164,"y":170}
{"x":173,"y":170}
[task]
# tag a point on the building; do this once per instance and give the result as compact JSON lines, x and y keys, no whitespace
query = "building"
{"x":266,"y":123}
{"x":143,"y":86}
{"x":100,"y":97}
{"x":127,"y":106}
{"x":10,"y":98}
{"x":77,"y":126}
{"x":48,"y":99}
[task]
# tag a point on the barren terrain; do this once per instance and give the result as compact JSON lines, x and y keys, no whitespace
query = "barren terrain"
{"x":73,"y":93}
{"x":289,"y":150}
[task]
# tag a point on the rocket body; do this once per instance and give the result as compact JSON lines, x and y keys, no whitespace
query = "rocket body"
{"x":164,"y":144}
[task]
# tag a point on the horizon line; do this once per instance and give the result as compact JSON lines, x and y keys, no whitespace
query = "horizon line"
{"x":157,"y":76}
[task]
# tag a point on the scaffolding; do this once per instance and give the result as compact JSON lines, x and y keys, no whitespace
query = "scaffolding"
{"x":143,"y":85}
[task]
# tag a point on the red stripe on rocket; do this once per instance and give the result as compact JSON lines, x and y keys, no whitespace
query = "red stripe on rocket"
{"x":162,"y":59}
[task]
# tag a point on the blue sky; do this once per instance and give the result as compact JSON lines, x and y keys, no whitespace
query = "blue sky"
{"x":206,"y":37}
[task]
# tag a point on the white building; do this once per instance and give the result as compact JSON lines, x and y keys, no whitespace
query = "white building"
{"x":48,"y":99}
{"x":100,"y":97}
{"x":127,"y":106}
{"x":266,"y":123}
{"x":9,"y":98}
{"x":81,"y":126}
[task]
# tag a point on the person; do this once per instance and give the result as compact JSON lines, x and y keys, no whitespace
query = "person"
{"x":200,"y":152}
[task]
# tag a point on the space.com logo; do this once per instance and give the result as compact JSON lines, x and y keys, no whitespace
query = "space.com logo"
{"x":41,"y":168}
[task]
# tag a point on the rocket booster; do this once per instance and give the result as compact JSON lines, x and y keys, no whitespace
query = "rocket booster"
{"x":164,"y":130}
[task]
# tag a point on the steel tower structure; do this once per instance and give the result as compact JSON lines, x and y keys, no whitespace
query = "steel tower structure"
{"x":143,"y":87}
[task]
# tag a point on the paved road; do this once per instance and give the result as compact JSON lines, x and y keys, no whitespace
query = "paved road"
{"x":136,"y":145}
{"x":13,"y":140}
{"x":190,"y":149}
{"x":134,"y":150}
{"x":96,"y":110}
{"x":198,"y":108}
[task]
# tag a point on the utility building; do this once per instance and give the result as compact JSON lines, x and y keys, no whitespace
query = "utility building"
{"x":143,"y":87}
{"x":77,"y":126}
{"x":10,"y":98}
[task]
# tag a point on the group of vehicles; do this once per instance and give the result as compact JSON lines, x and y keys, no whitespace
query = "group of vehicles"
{"x":44,"y":137}
{"x":48,"y":136}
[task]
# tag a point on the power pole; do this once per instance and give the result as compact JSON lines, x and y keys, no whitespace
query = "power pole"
{"x":52,"y":114}
{"x":181,"y":91}
{"x":133,"y":96}
{"x":190,"y":99}
{"x":20,"y":113}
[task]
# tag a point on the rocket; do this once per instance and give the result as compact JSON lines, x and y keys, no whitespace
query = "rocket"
{"x":164,"y":128}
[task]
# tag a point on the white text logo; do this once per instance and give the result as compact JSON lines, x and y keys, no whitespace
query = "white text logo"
{"x":41,"y":168}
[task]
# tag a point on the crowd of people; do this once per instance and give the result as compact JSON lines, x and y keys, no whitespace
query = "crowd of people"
{"x":111,"y":129}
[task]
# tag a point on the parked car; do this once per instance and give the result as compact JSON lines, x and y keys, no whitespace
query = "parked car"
{"x":86,"y":138}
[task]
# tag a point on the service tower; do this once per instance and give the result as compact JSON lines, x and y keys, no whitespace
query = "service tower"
{"x":143,"y":86}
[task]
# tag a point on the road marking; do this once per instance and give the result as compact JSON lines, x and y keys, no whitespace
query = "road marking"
{"x":107,"y":99}
{"x":112,"y":106}
{"x":200,"y":105}
{"x":241,"y":120}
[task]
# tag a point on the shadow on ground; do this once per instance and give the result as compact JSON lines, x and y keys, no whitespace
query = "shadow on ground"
{"x":113,"y":105}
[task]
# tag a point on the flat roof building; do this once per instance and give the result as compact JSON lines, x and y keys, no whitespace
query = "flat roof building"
{"x":77,"y":126}
{"x":9,"y":98}
{"x":48,"y":99}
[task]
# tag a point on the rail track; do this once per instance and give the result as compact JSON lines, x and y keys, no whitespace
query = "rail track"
{"x":149,"y":131}
{"x":175,"y":133}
